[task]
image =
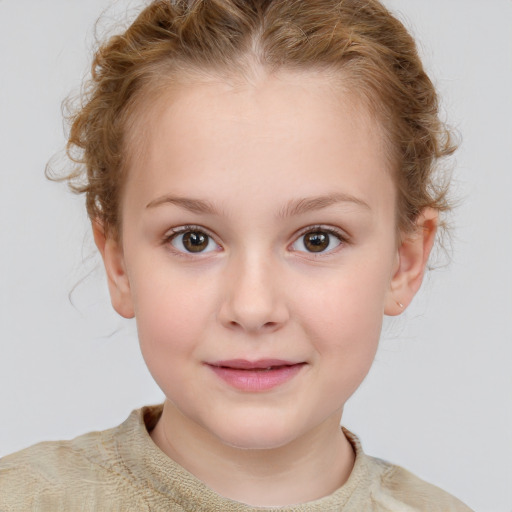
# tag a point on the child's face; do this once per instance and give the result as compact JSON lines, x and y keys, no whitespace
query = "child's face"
{"x":258,"y":231}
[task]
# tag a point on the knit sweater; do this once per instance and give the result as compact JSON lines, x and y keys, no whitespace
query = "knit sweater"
{"x":122,"y":469}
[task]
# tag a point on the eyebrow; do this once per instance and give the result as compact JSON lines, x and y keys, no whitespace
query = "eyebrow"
{"x":292,"y":208}
{"x":307,"y":204}
{"x":192,"y":205}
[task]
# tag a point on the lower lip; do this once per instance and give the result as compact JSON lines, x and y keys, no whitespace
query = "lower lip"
{"x":256,"y":380}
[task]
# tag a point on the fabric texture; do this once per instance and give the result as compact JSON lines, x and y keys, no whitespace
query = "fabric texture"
{"x":122,"y":469}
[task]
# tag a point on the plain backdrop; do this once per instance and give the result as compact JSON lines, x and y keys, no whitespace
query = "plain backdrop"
{"x":438,"y":399}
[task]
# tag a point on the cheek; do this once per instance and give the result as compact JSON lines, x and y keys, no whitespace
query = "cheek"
{"x":169,"y":329}
{"x":350,"y":301}
{"x":171,"y":313}
{"x":343,"y":316}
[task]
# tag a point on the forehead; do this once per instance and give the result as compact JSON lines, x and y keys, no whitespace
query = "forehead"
{"x":291,"y":132}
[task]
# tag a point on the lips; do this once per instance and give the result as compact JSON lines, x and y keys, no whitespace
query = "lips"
{"x":262,"y":364}
{"x":255,"y":376}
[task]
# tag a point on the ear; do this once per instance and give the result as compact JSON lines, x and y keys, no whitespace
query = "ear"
{"x":412,"y":258}
{"x":117,"y":278}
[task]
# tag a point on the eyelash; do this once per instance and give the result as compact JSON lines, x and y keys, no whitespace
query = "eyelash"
{"x":169,"y":237}
{"x":339,"y":235}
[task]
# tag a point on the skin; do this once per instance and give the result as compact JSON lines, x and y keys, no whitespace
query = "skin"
{"x":252,"y":154}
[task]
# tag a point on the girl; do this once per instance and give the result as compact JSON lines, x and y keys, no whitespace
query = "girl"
{"x":259,"y":178}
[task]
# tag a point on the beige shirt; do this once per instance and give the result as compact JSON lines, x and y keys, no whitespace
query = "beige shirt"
{"x":121,"y":469}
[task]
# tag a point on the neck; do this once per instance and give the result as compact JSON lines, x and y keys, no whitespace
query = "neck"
{"x":291,"y":474}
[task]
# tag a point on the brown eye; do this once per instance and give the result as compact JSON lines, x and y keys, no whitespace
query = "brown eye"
{"x":317,"y":241}
{"x":193,"y":242}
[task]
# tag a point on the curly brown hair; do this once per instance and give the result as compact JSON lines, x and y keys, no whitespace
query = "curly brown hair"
{"x":358,"y":41}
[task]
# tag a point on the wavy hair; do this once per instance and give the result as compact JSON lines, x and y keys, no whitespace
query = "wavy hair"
{"x":359,"y":41}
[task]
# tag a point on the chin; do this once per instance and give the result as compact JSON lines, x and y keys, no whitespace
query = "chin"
{"x":255,"y":435}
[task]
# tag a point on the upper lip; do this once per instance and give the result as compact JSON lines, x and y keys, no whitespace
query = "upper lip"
{"x":244,"y":364}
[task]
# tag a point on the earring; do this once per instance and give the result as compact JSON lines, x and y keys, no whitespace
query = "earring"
{"x":400,"y":305}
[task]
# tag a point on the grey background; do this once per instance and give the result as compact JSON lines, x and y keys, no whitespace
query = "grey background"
{"x":438,"y":399}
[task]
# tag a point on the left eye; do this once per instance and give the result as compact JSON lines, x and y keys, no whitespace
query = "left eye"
{"x":193,"y":241}
{"x":316,"y":241}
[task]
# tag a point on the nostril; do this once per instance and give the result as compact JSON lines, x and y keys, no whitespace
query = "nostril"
{"x":267,"y":326}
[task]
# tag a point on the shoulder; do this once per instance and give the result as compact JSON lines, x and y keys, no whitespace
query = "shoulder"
{"x":395,"y":485}
{"x":392,"y":488}
{"x":64,"y":475}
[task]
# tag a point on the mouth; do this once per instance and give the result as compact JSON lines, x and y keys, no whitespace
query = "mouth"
{"x":262,"y":364}
{"x":256,"y":376}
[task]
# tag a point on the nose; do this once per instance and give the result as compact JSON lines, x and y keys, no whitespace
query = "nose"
{"x":254,"y":299}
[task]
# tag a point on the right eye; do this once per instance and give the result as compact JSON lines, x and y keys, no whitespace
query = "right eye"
{"x":193,"y":241}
